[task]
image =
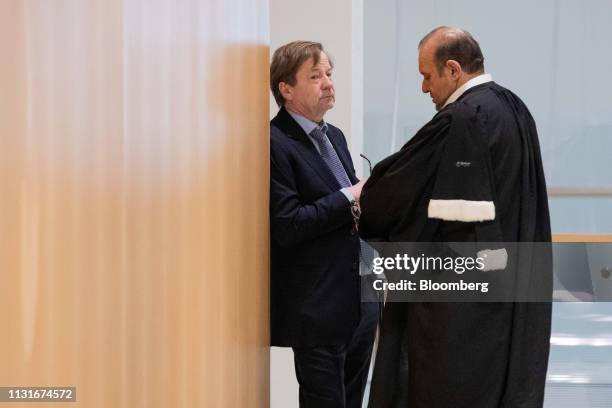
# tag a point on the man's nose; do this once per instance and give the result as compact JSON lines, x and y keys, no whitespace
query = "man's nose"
{"x":424,"y":87}
{"x":328,"y":83}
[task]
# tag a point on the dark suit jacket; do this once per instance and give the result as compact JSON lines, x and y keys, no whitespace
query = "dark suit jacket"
{"x":315,"y":294}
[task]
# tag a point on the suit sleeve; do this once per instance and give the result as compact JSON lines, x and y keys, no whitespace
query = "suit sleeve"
{"x":293,"y":221}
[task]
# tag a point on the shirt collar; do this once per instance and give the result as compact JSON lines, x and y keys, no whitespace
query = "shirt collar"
{"x":480,"y":79}
{"x":308,"y":125}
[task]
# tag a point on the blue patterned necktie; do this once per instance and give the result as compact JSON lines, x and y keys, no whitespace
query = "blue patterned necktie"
{"x":330,"y":156}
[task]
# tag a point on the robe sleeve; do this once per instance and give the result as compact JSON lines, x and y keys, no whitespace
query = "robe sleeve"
{"x":394,"y":197}
{"x":464,"y":187}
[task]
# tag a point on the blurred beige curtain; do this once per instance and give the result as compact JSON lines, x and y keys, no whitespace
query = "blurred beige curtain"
{"x":133,"y":200}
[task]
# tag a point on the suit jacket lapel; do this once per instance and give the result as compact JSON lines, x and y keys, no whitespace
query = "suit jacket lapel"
{"x":287,"y":124}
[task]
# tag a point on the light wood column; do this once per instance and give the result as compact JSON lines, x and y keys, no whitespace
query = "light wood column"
{"x":134,"y":168}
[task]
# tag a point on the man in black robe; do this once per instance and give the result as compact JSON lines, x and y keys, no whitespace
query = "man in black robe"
{"x":472,"y":174}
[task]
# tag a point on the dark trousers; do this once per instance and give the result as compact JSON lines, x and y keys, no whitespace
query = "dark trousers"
{"x":335,"y":376}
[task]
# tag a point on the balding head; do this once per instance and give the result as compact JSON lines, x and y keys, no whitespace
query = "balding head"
{"x":450,"y":43}
{"x":448,"y":58}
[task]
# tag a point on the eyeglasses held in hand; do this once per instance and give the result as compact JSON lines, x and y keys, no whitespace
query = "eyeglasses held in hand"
{"x":368,"y":160}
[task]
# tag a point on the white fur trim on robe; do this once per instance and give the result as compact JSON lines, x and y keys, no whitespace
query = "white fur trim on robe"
{"x":461,"y":210}
{"x":493,"y":259}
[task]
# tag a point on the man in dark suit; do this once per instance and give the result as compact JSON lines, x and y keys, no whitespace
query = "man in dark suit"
{"x":315,"y":286}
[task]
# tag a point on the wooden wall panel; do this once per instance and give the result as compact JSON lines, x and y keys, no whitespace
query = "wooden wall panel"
{"x":134,"y":201}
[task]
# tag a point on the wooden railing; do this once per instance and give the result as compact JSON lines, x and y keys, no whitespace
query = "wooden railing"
{"x":571,"y":237}
{"x":580,"y":192}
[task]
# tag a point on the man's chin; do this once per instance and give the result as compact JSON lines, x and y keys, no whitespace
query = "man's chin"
{"x":329,"y":103}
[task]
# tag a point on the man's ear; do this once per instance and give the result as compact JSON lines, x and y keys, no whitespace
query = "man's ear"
{"x":454,"y":68}
{"x":286,"y":90}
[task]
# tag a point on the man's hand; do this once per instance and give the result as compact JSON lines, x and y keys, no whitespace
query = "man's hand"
{"x":356,"y":189}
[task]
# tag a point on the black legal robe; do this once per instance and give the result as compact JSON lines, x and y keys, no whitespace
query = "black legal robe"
{"x":473,"y":173}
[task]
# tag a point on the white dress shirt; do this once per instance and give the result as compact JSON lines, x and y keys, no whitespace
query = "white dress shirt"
{"x":480,"y":79}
